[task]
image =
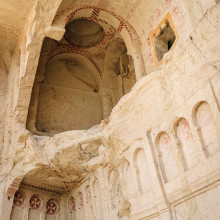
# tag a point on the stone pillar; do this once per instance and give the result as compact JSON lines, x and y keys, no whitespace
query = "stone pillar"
{"x":42,"y":215}
{"x":104,"y":197}
{"x":138,"y":64}
{"x":6,"y":202}
{"x":120,"y":86}
{"x":106,"y":106}
{"x":25,"y":213}
{"x":32,"y":114}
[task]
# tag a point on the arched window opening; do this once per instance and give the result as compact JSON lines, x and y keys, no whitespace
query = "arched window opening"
{"x":80,"y":78}
{"x":163,"y":38}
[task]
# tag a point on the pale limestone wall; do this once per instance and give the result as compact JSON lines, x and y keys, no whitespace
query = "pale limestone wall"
{"x":155,"y":157}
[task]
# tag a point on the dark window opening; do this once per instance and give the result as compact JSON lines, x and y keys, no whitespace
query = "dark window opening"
{"x":164,"y":40}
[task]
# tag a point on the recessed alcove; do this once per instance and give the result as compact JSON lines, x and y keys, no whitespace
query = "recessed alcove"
{"x":68,"y":96}
{"x":84,"y":33}
{"x":79,"y":79}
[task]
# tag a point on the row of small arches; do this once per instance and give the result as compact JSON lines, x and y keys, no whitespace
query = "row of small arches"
{"x":187,"y":149}
{"x":35,"y":206}
{"x":164,"y":146}
{"x":86,"y":202}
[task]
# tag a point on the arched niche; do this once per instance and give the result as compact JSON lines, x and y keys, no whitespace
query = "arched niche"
{"x":80,"y":212}
{"x":17,"y":212}
{"x":89,"y":210}
{"x":142,"y":170}
{"x":72,"y":207}
{"x":36,"y":205}
{"x":80,"y":200}
{"x":68,"y":96}
{"x":126,"y":179}
{"x":52,"y":208}
{"x":186,"y":142}
{"x":112,"y":186}
{"x":97,"y":195}
{"x":166,"y":157}
{"x":118,"y":76}
{"x":72,"y":203}
{"x":209,"y":136}
{"x":78,"y":88}
{"x":126,"y":30}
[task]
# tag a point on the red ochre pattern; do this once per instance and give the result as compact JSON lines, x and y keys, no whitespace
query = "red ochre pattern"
{"x":35,"y":202}
{"x":73,"y":203}
{"x":51,"y":207}
{"x":18,"y":199}
{"x":71,"y":12}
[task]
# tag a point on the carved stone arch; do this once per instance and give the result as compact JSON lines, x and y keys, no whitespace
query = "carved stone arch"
{"x":166,"y":156}
{"x":36,"y":205}
{"x":52,"y":207}
{"x":206,"y":127}
{"x":14,"y":186}
{"x":76,"y":85}
{"x":72,"y":203}
{"x":186,"y":144}
{"x":142,"y":170}
{"x":80,"y":199}
{"x":129,"y":34}
{"x":126,"y":178}
{"x":38,"y":201}
{"x":19,"y":203}
{"x":20,"y":198}
{"x":88,"y":195}
{"x":61,"y":19}
{"x":97,"y":198}
{"x":195,"y":107}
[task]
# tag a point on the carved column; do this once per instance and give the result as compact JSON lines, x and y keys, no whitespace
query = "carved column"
{"x":106,"y":106}
{"x":138,"y":64}
{"x":32,"y":114}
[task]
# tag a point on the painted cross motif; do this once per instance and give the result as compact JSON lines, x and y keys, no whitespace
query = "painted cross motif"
{"x":51,"y":207}
{"x":35,"y":202}
{"x":18,"y":199}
